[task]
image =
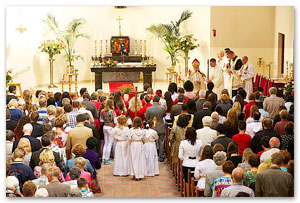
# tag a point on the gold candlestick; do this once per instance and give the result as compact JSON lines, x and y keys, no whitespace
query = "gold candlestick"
{"x":141,"y":47}
{"x":100,"y":48}
{"x":152,"y":60}
{"x":143,"y":61}
{"x":106,"y":48}
{"x":136,"y":48}
{"x":145,"y":48}
{"x":95,"y":47}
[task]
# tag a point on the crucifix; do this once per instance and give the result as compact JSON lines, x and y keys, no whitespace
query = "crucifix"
{"x":21,"y":29}
{"x":119,"y":19}
{"x":135,"y":101}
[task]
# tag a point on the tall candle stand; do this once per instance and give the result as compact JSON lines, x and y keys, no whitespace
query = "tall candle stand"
{"x":145,"y":48}
{"x":141,"y":47}
{"x":135,"y":48}
{"x":106,"y":48}
{"x":101,"y":48}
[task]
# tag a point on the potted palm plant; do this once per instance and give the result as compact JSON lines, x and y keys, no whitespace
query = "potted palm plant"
{"x":69,"y":35}
{"x":170,"y":35}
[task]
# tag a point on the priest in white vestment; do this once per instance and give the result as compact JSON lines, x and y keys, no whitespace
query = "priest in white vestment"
{"x":247,"y":74}
{"x":217,"y":77}
{"x":223,"y":62}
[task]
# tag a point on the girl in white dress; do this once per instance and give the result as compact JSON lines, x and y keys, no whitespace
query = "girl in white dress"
{"x":121,"y":161}
{"x":205,"y":165}
{"x":150,"y":149}
{"x":137,"y":134}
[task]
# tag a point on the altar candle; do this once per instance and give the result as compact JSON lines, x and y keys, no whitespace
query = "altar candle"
{"x":95,"y":47}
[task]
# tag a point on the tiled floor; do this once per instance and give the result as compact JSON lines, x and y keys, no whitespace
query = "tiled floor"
{"x":158,"y":186}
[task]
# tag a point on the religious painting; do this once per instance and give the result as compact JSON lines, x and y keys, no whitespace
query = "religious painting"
{"x":119,"y":45}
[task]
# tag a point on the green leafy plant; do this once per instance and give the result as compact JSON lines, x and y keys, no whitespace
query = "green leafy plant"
{"x":69,"y":35}
{"x":289,"y":87}
{"x":170,"y":35}
{"x":8,"y":76}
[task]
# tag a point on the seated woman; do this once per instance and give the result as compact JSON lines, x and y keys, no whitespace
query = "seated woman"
{"x":205,"y":165}
{"x":220,"y":183}
{"x":189,"y":151}
{"x":225,"y":104}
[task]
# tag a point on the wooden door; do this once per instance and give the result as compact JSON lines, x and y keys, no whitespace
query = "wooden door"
{"x":281,"y":38}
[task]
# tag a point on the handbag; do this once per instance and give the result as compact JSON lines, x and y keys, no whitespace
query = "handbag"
{"x":95,"y":186}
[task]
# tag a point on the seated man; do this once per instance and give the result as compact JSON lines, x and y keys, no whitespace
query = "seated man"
{"x":237,"y":186}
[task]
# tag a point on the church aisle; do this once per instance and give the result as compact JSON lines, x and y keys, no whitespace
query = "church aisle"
{"x":158,"y":186}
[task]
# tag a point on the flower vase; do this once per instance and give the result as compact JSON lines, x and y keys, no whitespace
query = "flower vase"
{"x":51,"y":85}
{"x":173,"y":67}
{"x":186,"y":58}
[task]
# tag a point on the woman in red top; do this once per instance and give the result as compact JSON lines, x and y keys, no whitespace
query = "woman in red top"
{"x":169,"y":101}
{"x":140,"y":109}
{"x":242,"y":138}
{"x":247,"y":107}
{"x":181,"y":91}
{"x":96,"y":100}
{"x":148,"y":103}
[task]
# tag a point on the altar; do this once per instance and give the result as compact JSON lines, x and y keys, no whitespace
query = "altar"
{"x":146,"y":70}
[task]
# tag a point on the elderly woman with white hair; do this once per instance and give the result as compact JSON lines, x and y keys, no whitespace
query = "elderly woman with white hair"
{"x":41,"y":192}
{"x":219,"y":159}
{"x":12,"y":185}
{"x":206,"y":134}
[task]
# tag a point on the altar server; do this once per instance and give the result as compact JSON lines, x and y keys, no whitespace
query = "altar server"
{"x":197,"y":77}
{"x":235,"y":66}
{"x":122,"y":158}
{"x":217,"y":77}
{"x":136,"y":135}
{"x":150,"y":149}
{"x":222,"y":62}
{"x":247,"y":74}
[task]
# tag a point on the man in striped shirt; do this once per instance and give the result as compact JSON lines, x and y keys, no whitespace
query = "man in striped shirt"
{"x":72,"y":115}
{"x":42,"y":110}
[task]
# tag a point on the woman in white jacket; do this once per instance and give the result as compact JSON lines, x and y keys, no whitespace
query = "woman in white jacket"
{"x":189,"y":151}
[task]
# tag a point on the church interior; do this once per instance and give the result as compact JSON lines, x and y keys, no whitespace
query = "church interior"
{"x":263,"y":33}
{"x":83,"y":49}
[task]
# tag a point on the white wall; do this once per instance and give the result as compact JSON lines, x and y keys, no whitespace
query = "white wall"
{"x":284,"y":23}
{"x":248,"y":31}
{"x":22,"y":49}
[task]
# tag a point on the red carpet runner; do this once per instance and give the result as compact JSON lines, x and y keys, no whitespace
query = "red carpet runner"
{"x":114,"y":86}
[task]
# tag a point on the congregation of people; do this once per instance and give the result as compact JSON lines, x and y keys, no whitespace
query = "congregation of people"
{"x":235,"y":142}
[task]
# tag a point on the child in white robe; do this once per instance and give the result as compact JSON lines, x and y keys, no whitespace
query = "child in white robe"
{"x":137,"y":134}
{"x":122,"y":156}
{"x":150,"y":149}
